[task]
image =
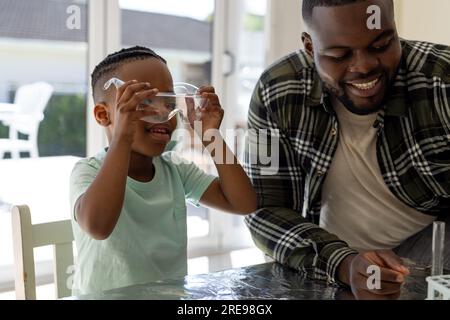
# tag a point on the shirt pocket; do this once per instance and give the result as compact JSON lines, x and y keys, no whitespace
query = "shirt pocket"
{"x":180,"y":211}
{"x":180,"y":215}
{"x":436,"y":173}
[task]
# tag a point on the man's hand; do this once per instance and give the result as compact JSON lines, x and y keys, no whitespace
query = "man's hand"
{"x":354,"y":271}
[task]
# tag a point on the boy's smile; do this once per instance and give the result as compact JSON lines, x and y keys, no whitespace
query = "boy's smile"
{"x":160,"y":132}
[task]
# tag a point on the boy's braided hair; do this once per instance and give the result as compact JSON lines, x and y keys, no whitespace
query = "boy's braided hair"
{"x":116,"y":59}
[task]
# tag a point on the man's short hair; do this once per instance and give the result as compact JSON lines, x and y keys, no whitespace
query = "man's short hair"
{"x":309,"y":5}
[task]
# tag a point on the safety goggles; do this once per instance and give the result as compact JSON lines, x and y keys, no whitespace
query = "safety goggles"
{"x":184,"y":101}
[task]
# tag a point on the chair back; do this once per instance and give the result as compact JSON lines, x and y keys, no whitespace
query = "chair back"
{"x":31,"y":100}
{"x":26,"y":237}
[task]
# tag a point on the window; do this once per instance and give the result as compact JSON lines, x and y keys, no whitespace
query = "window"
{"x":40,"y":41}
{"x":251,"y":55}
{"x":240,"y":59}
{"x":181,"y":32}
{"x":55,"y":49}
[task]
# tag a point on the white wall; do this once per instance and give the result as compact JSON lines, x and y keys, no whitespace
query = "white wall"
{"x":427,"y":20}
{"x":284,"y":28}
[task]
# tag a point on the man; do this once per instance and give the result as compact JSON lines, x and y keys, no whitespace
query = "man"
{"x":363,"y":123}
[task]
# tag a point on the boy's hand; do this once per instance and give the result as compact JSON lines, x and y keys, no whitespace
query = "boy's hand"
{"x":210,"y":114}
{"x":126,"y":117}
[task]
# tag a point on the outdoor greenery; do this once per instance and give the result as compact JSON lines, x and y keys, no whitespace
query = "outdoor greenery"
{"x":63,"y":130}
{"x":254,"y":23}
{"x":3,"y":131}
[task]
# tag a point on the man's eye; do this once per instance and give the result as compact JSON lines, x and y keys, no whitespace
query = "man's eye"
{"x":382,"y":47}
{"x":339,"y":58}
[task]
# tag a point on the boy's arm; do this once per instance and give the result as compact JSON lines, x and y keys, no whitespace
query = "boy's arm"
{"x":232,"y":191}
{"x":98,"y":209}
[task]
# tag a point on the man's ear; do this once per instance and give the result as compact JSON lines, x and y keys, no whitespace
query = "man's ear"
{"x":307,"y":43}
{"x":102,"y":115}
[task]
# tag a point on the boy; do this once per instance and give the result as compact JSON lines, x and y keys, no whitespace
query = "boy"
{"x":129,"y":211}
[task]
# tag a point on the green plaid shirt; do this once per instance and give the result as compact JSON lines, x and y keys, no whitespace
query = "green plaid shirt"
{"x":413,"y":151}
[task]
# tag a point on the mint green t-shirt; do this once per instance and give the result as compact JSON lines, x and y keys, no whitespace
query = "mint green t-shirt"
{"x":149,"y":240}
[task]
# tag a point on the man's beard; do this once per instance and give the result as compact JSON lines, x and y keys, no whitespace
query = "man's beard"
{"x":349,"y":104}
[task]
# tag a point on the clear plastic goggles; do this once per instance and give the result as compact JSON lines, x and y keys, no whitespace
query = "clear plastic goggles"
{"x":184,"y":101}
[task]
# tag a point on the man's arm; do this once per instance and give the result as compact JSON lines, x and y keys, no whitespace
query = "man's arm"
{"x":278,"y":227}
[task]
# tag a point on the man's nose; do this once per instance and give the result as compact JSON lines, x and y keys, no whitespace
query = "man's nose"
{"x":364,"y":62}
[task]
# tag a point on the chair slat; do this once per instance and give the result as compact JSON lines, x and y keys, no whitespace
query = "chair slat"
{"x":52,"y":233}
{"x":63,"y":268}
{"x":25,"y":282}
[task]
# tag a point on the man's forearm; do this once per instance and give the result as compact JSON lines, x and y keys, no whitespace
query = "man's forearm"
{"x":290,"y":239}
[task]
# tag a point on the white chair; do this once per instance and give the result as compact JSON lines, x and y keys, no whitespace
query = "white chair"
{"x":26,"y":237}
{"x":24,"y":116}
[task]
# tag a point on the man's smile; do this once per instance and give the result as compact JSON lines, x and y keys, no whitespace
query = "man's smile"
{"x":366,"y":88}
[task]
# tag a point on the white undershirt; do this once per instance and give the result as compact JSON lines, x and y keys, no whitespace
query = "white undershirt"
{"x":357,"y":206}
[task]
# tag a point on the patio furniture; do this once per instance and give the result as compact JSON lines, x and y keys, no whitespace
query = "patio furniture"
{"x":24,"y":116}
{"x":26,"y":237}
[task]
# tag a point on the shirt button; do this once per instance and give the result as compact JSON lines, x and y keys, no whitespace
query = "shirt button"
{"x":319,"y":173}
{"x":333,"y":131}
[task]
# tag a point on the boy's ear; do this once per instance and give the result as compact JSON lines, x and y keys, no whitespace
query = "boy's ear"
{"x":307,"y":43}
{"x":101,"y":114}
